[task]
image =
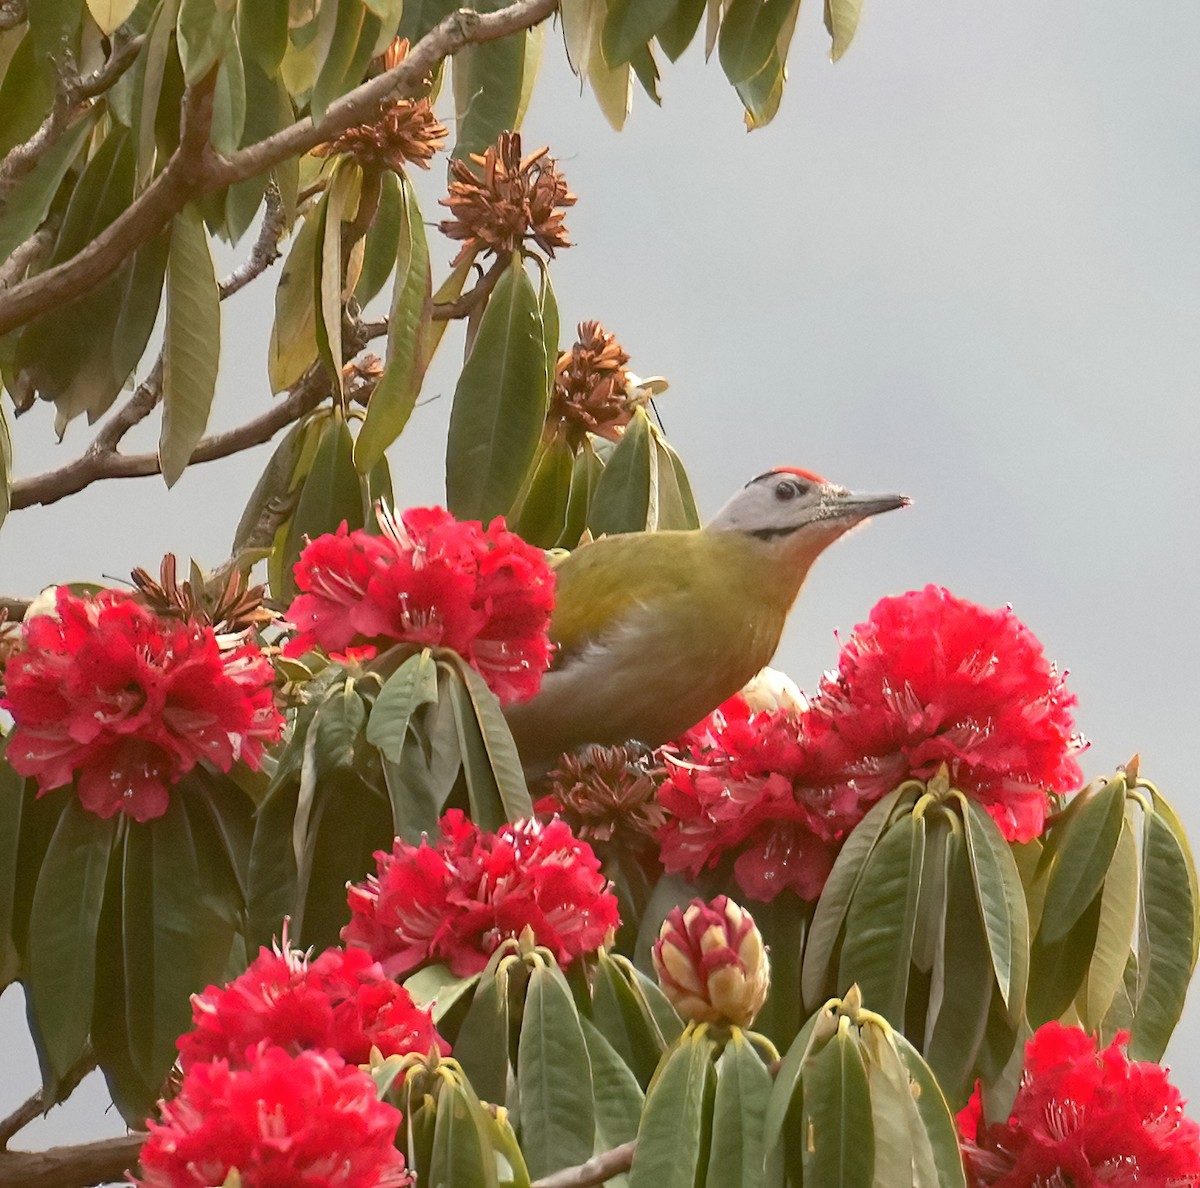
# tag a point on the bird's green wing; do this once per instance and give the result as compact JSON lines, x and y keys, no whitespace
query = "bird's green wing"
{"x":600,"y":584}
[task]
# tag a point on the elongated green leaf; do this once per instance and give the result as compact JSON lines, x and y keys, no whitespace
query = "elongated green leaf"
{"x":338,"y":206}
{"x":413,"y":684}
{"x":1114,"y":933}
{"x":677,"y":33}
{"x":820,"y":951}
{"x":1167,"y":815}
{"x":331,"y":78}
{"x":382,"y":240}
{"x":501,"y":751}
{"x":841,"y":19}
{"x":880,"y":921}
{"x":1001,"y":903}
{"x":272,"y":488}
{"x":738,"y":1151}
{"x":338,"y":724}
{"x":936,"y":1119}
{"x":1080,"y":849}
{"x":293,"y":347}
{"x":1057,"y":968}
{"x":272,"y":875}
{"x":676,"y":508}
{"x":748,"y":36}
{"x":895,"y":1124}
{"x":625,"y":498}
{"x":489,"y":83}
{"x":54,"y":25}
{"x":543,"y":513}
{"x":630,"y":24}
{"x":263,"y":32}
{"x":618,"y":1095}
{"x":1167,"y":939}
{"x":202,"y":30}
{"x":395,"y":395}
{"x":421,"y":15}
{"x":558,"y":1112}
{"x":191,"y":345}
{"x":481,"y":1046}
{"x":461,"y":1154}
{"x":838,"y":1138}
{"x":229,"y":101}
{"x":499,"y":403}
{"x":63,"y":924}
{"x":619,"y":1017}
{"x":675,"y":1121}
{"x":12,"y":798}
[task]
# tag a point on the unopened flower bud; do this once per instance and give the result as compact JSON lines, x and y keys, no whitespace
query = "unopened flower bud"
{"x":711,"y":964}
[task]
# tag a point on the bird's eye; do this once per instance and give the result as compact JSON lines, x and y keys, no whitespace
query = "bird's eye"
{"x":789,"y":489}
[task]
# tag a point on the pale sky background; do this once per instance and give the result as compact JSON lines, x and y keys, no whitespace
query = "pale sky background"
{"x":962,"y":263}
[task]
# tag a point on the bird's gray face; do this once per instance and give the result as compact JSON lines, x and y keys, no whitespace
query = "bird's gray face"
{"x":781,"y":503}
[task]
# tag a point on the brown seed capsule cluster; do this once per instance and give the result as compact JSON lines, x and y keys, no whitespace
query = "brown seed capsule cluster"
{"x":231,"y":609}
{"x":500,"y":200}
{"x":590,"y":381}
{"x":607,"y":794}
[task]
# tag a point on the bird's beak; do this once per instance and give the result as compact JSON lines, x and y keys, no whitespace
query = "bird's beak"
{"x":847,"y":505}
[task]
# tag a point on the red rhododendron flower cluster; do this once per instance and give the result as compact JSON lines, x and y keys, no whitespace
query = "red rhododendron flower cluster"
{"x":929,"y":680}
{"x":1083,"y":1117}
{"x":341,"y":1001}
{"x":307,"y":1120}
{"x":431,"y":580}
{"x":108,"y":691}
{"x":456,"y":900}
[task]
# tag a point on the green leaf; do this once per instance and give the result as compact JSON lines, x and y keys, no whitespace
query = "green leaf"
{"x":338,"y":723}
{"x":54,"y":26}
{"x":936,"y":1118}
{"x":625,"y":499}
{"x":229,"y":101}
{"x":331,"y":78}
{"x":481,"y":1046}
{"x":381,"y":241}
{"x":63,"y":925}
{"x":1114,"y":933}
{"x":412,"y":685}
{"x":748,"y":36}
{"x":1079,"y":850}
{"x":499,"y":404}
{"x":1167,"y":938}
{"x":273,"y":486}
{"x":263,"y":32}
{"x":841,"y":19}
{"x":12,"y":798}
{"x":110,"y":15}
{"x":630,"y":24}
{"x":489,"y":81}
{"x":293,"y":347}
{"x":1001,"y":902}
{"x":202,"y":30}
{"x":272,"y":875}
{"x":395,"y":395}
{"x":150,"y":71}
{"x":338,"y":206}
{"x":838,"y":1138}
{"x":462,"y":1155}
{"x":585,"y":475}
{"x":502,"y":754}
{"x":880,"y":921}
{"x":673,"y":1134}
{"x":558,"y":1114}
{"x":738,"y":1150}
{"x":543,"y":510}
{"x":618,"y":1095}
{"x":1057,"y":968}
{"x":676,"y":35}
{"x":824,"y":933}
{"x":676,"y":506}
{"x":191,"y":344}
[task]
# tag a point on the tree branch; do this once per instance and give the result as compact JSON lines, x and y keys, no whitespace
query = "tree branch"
{"x":72,"y":99}
{"x":71,"y":1167}
{"x":25,"y":254}
{"x":34,"y":1105}
{"x":595,"y":1171}
{"x":195,"y":169}
{"x":465,"y":305}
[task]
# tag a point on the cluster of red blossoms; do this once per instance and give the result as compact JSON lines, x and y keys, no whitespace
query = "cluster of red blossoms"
{"x":456,"y":900}
{"x":929,"y":680}
{"x":127,"y":702}
{"x":430,"y":580}
{"x":271,"y":1086}
{"x":1083,"y":1117}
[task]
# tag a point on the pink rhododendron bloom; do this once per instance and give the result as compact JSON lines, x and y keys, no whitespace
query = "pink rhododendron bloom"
{"x":339,"y":1001}
{"x":457,"y":899}
{"x":431,"y":580}
{"x":106,"y":692}
{"x":1083,"y":1117}
{"x":282,"y":1121}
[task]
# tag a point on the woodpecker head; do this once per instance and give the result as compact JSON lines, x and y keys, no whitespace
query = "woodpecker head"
{"x":798,"y":507}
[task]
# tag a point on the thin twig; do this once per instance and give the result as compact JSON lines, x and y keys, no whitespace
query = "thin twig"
{"x":466,"y":305}
{"x":35,"y":1104}
{"x":25,"y":254}
{"x":266,"y":247}
{"x":72,"y":99}
{"x":195,"y":168}
{"x":595,"y":1171}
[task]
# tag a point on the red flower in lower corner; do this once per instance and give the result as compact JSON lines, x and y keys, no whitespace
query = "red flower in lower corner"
{"x":1083,"y":1117}
{"x":456,"y":900}
{"x":434,"y":581}
{"x":341,"y":1001}
{"x":107,"y":692}
{"x":284,"y":1121}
